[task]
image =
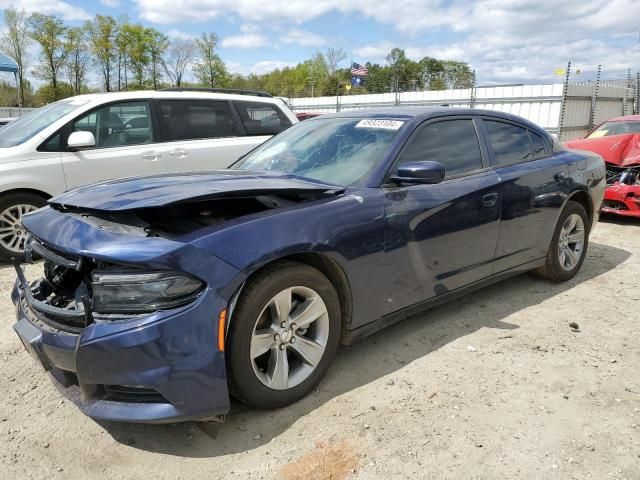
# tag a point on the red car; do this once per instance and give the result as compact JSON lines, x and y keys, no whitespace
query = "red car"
{"x":618,"y":142}
{"x":305,"y":116}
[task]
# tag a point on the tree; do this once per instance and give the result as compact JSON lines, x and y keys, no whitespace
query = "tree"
{"x":457,"y":74}
{"x":177,"y":58}
{"x":50,"y":33}
{"x":397,"y":61}
{"x":17,"y":42}
{"x":432,"y":73}
{"x":158,"y":44}
{"x":333,"y":57}
{"x":78,"y":59}
{"x":102,"y":41}
{"x":133,"y":45}
{"x":209,"y":69}
{"x":316,"y":71}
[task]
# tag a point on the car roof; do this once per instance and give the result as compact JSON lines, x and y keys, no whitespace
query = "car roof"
{"x":191,"y":94}
{"x":423,"y":113}
{"x":627,"y":118}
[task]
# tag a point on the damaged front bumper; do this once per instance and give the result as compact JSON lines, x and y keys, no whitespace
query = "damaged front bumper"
{"x":621,"y":199}
{"x":622,"y":195}
{"x":156,"y":367}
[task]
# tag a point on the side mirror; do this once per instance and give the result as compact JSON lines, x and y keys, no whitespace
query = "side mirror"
{"x":79,"y":140}
{"x":419,"y":173}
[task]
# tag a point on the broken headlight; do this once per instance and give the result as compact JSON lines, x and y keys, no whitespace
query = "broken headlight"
{"x":129,"y":292}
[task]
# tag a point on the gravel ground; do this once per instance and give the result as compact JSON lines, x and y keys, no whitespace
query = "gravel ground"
{"x":496,"y":385}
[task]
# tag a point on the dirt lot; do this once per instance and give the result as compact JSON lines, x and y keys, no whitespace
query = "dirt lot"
{"x":494,"y":386}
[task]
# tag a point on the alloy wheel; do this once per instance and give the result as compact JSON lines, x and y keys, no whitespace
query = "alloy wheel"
{"x":12,"y":233}
{"x":289,"y":338}
{"x":571,"y":242}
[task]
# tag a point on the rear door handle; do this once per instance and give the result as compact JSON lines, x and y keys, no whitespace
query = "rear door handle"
{"x":490,"y":199}
{"x":179,"y":153}
{"x":150,"y":155}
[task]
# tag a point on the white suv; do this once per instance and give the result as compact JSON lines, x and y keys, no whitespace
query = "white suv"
{"x":96,"y":137}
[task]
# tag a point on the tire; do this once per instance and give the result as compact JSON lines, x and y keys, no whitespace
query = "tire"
{"x":555,"y":268}
{"x":12,"y":207}
{"x":254,"y":377}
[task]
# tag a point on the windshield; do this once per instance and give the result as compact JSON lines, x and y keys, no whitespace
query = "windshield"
{"x":338,"y":151}
{"x":615,"y":128}
{"x":26,"y":127}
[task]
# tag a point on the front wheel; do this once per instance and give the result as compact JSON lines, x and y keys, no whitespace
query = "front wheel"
{"x":568,"y":246}
{"x":283,"y":335}
{"x":12,"y":235}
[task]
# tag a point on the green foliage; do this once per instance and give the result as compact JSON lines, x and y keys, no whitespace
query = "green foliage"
{"x":47,"y":93}
{"x":9,"y":94}
{"x":322,"y":75}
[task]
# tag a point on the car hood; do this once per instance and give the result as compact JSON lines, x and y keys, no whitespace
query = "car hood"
{"x":621,"y":150}
{"x":163,"y":190}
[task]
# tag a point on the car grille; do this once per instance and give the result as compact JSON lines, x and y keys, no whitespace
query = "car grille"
{"x":614,"y":205}
{"x":41,"y":301}
{"x":133,"y":394}
{"x":613,"y":173}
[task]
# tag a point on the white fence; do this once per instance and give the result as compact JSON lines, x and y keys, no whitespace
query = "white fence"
{"x":14,"y":111}
{"x":541,"y":104}
{"x":565,"y":110}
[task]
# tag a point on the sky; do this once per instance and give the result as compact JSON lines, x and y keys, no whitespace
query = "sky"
{"x":505,"y":41}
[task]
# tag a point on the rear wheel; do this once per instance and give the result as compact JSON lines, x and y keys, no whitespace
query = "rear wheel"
{"x":568,"y":246}
{"x":12,"y":235}
{"x":283,"y":335}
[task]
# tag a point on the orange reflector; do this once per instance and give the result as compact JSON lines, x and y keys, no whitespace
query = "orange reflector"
{"x":222,"y":324}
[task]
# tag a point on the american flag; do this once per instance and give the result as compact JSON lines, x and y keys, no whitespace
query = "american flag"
{"x":359,"y":70}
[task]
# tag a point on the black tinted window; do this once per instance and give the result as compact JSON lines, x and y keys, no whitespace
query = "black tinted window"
{"x":196,"y":119}
{"x":454,"y":143}
{"x":510,"y":143}
{"x":262,"y":118}
{"x":54,"y":144}
{"x":538,"y":143}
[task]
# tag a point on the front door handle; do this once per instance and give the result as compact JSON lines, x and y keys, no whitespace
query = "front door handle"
{"x":490,"y":199}
{"x":150,"y":155}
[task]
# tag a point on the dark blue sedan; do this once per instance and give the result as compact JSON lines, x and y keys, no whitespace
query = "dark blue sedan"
{"x":162,"y":296}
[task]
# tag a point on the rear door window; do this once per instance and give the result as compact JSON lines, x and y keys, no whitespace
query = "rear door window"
{"x":195,"y":119}
{"x":510,"y":143}
{"x":538,"y":144}
{"x":261,"y":118}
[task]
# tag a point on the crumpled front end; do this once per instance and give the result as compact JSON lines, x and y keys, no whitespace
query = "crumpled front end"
{"x":117,"y":353}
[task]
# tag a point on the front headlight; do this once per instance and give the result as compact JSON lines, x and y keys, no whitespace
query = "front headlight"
{"x":125,"y":292}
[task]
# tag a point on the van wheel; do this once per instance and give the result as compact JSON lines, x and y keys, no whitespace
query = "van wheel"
{"x":568,"y":246}
{"x":282,"y":336}
{"x":12,"y":235}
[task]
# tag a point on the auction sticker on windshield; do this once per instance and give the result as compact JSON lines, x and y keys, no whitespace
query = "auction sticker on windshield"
{"x":386,"y":124}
